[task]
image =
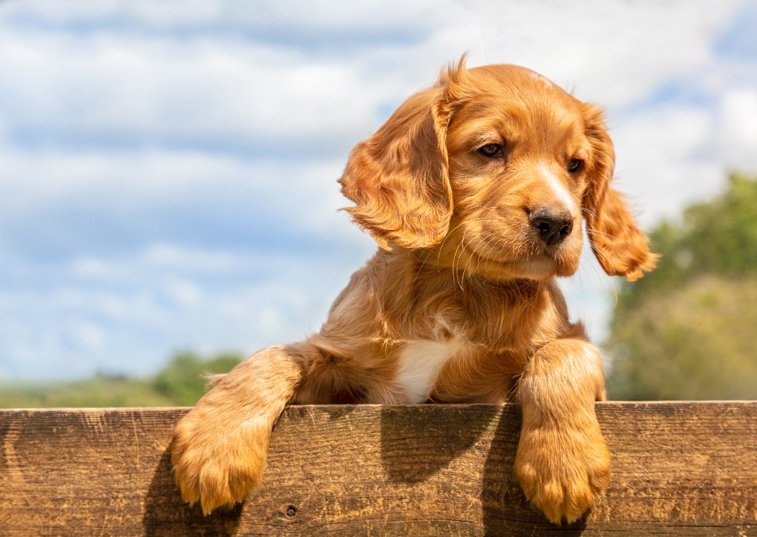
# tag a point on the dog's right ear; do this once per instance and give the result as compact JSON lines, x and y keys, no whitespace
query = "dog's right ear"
{"x":398,"y":178}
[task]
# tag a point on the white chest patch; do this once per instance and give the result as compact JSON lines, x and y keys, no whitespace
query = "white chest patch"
{"x":420,"y":363}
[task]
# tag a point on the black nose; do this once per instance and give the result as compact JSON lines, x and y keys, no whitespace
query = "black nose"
{"x":551,"y":225}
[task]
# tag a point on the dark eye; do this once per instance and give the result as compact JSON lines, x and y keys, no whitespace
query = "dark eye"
{"x":575,"y":165}
{"x":491,"y":151}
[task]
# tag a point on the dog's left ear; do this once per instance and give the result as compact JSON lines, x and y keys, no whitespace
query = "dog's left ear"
{"x":620,"y":246}
{"x":398,"y":178}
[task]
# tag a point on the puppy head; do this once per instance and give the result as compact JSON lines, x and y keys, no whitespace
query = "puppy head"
{"x":494,"y":168}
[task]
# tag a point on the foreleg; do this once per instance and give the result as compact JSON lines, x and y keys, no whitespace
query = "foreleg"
{"x":562,"y":460}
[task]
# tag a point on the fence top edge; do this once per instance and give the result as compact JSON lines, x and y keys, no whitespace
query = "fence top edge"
{"x":618,"y":405}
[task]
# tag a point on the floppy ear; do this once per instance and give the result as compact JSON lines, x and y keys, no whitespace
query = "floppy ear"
{"x":620,"y":246}
{"x":398,"y":178}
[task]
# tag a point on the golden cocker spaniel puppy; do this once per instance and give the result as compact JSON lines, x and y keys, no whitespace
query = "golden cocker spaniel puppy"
{"x":475,"y":191}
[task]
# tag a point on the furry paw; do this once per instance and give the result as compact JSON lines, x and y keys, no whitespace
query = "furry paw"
{"x":562,"y":470}
{"x":217,"y":462}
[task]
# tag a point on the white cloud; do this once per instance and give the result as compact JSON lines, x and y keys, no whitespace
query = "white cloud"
{"x":665,"y":160}
{"x":739,"y":128}
{"x":209,"y":16}
{"x":202,"y":88}
{"x":87,"y":335}
{"x":304,"y":194}
{"x":166,"y":256}
{"x":144,"y":90}
{"x":184,"y":293}
{"x":611,"y":52}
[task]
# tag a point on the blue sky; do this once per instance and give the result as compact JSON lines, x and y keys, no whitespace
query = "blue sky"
{"x":168,"y":169}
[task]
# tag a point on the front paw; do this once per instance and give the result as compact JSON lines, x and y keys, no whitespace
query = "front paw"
{"x":216,"y":461}
{"x":561,"y":470}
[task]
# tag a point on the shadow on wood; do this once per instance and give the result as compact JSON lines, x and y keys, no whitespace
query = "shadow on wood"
{"x":167,"y":515}
{"x":414,"y":455}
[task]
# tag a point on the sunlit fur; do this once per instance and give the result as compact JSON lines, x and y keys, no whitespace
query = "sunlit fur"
{"x":460,"y":270}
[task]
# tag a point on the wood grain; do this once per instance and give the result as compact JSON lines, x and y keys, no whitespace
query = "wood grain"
{"x":678,"y":469}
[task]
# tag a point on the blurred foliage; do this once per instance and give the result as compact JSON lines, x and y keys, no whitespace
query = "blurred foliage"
{"x":694,"y":342}
{"x":686,"y":330}
{"x":184,"y":380}
{"x":181,"y":382}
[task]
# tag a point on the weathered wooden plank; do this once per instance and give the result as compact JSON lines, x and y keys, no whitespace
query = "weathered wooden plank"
{"x":678,"y":469}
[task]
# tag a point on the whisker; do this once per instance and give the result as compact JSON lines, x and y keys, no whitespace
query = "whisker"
{"x":444,"y":240}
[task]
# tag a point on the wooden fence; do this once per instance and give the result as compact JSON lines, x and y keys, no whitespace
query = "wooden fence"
{"x":678,"y":469}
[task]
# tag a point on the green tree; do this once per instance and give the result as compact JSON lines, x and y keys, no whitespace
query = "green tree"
{"x":685,"y":331}
{"x":184,"y":380}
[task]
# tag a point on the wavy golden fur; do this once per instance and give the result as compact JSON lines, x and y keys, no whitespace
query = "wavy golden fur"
{"x":476,"y":190}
